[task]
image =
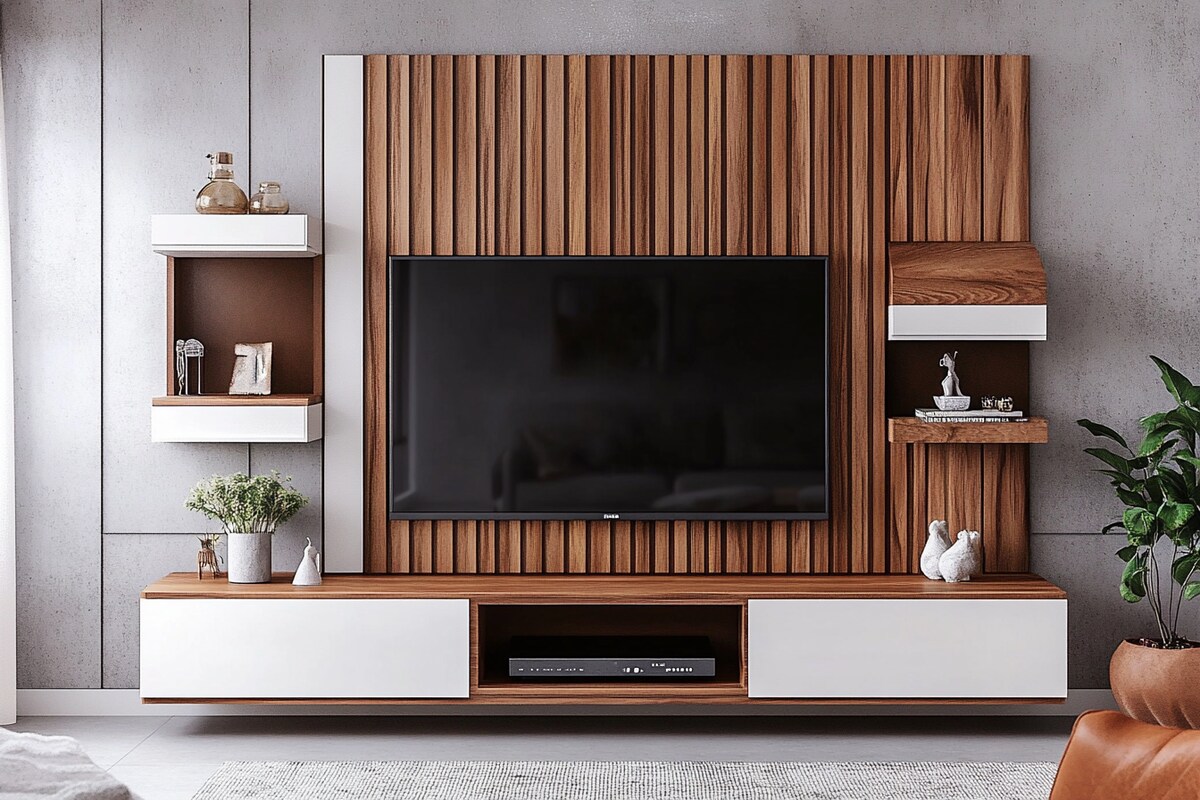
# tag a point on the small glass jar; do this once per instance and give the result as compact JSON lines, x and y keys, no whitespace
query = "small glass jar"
{"x":221,"y":195}
{"x":268,"y":199}
{"x":1004,"y":404}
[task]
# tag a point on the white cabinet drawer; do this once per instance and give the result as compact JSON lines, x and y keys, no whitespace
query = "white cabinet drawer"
{"x":304,"y":648}
{"x":908,"y":648}
{"x":236,"y":423}
{"x":235,"y":235}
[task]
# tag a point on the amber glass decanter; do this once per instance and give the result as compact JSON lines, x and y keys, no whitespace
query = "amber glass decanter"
{"x":221,"y":195}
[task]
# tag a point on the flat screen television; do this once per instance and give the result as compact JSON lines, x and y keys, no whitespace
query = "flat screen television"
{"x":608,"y":388}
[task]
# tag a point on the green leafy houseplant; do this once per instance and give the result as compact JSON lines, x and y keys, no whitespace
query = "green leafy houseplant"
{"x":244,"y":504}
{"x":1157,"y":483}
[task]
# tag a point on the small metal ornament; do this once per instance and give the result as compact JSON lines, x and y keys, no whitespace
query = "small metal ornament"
{"x":987,"y":402}
{"x":185,"y":351}
{"x":1004,"y":404}
{"x":206,"y":557}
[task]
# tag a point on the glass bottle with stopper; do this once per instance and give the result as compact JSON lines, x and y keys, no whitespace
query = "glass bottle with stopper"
{"x":268,"y":199}
{"x":221,"y":195}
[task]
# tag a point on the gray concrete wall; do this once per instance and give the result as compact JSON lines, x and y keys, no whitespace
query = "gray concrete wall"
{"x":149,"y":86}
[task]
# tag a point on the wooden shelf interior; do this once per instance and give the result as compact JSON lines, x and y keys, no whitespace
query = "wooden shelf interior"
{"x":911,"y":429}
{"x":1000,"y":369}
{"x":223,"y":301}
{"x":499,"y":623}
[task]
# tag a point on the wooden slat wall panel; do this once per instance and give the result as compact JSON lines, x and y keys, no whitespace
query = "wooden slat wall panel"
{"x":442,"y":105}
{"x":377,"y":226}
{"x":597,"y":155}
{"x":619,"y":158}
{"x":554,"y":223}
{"x":532,"y":148}
{"x":1006,"y":148}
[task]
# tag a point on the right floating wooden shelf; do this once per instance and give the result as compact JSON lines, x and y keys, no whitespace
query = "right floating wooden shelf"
{"x":910,"y":430}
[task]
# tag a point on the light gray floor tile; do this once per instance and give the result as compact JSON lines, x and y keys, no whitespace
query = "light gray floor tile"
{"x":106,"y":740}
{"x":164,"y":782}
{"x":212,"y":740}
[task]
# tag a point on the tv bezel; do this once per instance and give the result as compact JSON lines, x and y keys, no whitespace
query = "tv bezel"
{"x":814,"y":262}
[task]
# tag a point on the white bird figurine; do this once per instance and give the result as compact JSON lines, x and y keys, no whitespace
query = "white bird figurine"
{"x":937,"y":544}
{"x":309,"y":571}
{"x":964,"y":559}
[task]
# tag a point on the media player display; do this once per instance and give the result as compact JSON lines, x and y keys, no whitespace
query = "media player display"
{"x":620,"y":388}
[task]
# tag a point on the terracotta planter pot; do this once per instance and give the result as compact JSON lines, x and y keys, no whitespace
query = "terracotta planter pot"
{"x":1158,"y":686}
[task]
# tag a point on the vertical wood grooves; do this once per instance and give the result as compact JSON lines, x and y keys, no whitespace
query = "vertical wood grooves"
{"x":708,"y":155}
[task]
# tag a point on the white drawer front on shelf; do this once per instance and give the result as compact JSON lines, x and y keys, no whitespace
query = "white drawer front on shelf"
{"x":304,"y":648}
{"x":235,"y":234}
{"x":908,"y":648}
{"x":984,"y":323}
{"x":236,"y":423}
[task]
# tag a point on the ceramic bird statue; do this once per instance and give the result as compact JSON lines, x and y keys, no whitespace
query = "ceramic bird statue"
{"x":937,"y":544}
{"x":964,"y":559}
{"x":309,"y":571}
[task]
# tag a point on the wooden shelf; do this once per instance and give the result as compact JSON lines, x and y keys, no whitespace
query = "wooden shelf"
{"x":613,"y":588}
{"x":237,"y":400}
{"x":913,"y":430}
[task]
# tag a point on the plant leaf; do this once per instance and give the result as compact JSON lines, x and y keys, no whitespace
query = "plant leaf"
{"x":1177,"y":384}
{"x":1117,"y":462}
{"x":1152,"y":421}
{"x":1182,"y":569}
{"x":1132,"y":499}
{"x":1155,"y":439}
{"x":1137,"y":520}
{"x":1127,"y":552}
{"x":1175,"y":515}
{"x":1112,"y":526}
{"x":1096,"y":429}
{"x":1191,"y":590}
{"x":1133,"y":584}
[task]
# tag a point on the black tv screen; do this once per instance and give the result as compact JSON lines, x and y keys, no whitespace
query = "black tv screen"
{"x":608,"y":388}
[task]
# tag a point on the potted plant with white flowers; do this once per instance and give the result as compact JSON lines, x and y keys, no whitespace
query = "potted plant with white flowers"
{"x":250,"y":510}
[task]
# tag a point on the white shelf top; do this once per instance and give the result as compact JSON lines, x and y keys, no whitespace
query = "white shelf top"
{"x":236,"y":235}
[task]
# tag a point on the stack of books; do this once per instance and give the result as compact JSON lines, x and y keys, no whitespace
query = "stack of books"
{"x":984,"y":415}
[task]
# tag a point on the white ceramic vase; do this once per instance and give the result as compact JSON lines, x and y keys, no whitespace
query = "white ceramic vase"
{"x":248,"y":557}
{"x":937,"y":544}
{"x":964,"y":559}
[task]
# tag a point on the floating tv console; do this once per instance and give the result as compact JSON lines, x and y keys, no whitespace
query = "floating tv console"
{"x":793,"y":639}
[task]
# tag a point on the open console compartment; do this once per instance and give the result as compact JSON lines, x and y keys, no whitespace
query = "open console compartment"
{"x":722,"y":625}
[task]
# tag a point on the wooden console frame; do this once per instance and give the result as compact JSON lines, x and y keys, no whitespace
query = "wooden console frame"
{"x":612,"y":590}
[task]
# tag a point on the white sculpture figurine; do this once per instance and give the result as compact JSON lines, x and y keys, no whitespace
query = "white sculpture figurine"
{"x":964,"y":559}
{"x":309,"y":571}
{"x":937,"y":544}
{"x":950,"y":387}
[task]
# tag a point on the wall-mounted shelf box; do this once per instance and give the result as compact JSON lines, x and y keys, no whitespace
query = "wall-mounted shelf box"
{"x":989,"y":291}
{"x":236,"y":235}
{"x":222,"y":418}
{"x":911,"y":429}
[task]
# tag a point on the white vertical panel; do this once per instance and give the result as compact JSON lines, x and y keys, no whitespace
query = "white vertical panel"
{"x":908,"y":648}
{"x":305,"y":648}
{"x":8,"y":476}
{"x":342,"y":173}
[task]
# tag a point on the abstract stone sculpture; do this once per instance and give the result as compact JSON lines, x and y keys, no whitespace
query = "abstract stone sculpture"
{"x":937,"y":544}
{"x":251,"y":369}
{"x":964,"y":559}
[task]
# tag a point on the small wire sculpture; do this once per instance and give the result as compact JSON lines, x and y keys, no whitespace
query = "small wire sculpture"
{"x":206,"y":556}
{"x":185,"y":351}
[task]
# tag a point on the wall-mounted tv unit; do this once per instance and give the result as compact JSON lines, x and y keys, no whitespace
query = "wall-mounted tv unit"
{"x":608,"y":388}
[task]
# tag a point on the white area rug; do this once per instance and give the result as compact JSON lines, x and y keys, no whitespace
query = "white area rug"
{"x":586,"y":780}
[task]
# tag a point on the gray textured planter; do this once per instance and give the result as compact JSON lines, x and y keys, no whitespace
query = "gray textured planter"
{"x":249,"y":557}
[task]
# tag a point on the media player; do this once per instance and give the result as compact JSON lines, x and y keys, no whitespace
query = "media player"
{"x":611,"y":657}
